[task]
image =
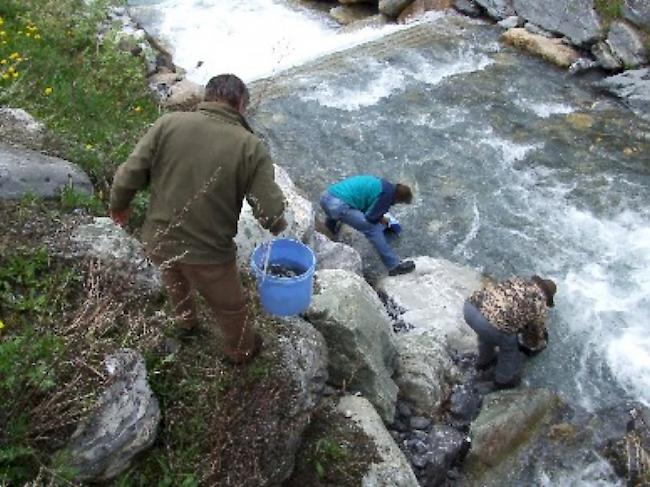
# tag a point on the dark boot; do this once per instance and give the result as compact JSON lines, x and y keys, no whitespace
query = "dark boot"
{"x":403,"y":267}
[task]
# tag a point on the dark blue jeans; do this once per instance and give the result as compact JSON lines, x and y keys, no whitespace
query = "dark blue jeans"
{"x":509,"y":358}
{"x":339,"y":210}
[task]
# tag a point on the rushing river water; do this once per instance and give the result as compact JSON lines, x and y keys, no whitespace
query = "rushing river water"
{"x":518,"y":167}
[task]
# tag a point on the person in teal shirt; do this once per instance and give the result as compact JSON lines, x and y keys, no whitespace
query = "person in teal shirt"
{"x":361,"y":202}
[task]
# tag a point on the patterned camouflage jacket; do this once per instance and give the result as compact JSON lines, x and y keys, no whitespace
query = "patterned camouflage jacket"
{"x":515,"y":306}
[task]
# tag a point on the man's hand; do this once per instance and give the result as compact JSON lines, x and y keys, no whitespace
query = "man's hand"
{"x":279,"y":226}
{"x":120,"y":217}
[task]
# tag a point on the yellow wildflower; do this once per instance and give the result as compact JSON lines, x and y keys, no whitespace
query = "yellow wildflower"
{"x":15,"y":74}
{"x":14,"y":55}
{"x":5,"y":76}
{"x":11,"y":69}
{"x":3,"y":61}
{"x":89,"y":147}
{"x":3,"y":33}
{"x":37,"y":37}
{"x":137,"y":109}
{"x":2,"y":325}
{"x":48,"y":91}
{"x":2,"y":21}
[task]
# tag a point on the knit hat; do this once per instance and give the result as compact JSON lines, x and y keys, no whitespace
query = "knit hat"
{"x":548,"y":287}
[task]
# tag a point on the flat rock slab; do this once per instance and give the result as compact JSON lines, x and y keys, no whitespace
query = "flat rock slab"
{"x":552,"y":50}
{"x":25,"y":171}
{"x":19,"y":127}
{"x":575,"y":19}
{"x":431,"y":299}
{"x":637,"y":12}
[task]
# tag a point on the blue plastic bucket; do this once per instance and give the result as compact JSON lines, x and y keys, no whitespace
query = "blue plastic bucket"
{"x":284,"y":296}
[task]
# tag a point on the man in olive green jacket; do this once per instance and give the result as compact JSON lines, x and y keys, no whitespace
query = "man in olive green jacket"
{"x":199,"y":167}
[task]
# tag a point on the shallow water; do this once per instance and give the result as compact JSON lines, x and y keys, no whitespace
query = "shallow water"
{"x":517,"y":167}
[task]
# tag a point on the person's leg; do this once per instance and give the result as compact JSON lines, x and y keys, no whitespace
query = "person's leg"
{"x":509,"y":362}
{"x":485,"y":333}
{"x":332,"y":207}
{"x":374,"y":232}
{"x":179,"y":291}
{"x":221,"y":287}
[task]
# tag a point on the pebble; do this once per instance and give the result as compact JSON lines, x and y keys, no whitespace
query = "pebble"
{"x":420,"y":423}
{"x":404,"y":409}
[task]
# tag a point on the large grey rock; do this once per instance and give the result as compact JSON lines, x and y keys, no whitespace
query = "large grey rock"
{"x":627,"y":45}
{"x":606,"y":59}
{"x":122,"y":253}
{"x":467,"y":7}
{"x":497,"y":9}
{"x":257,"y":428}
{"x":424,"y":371}
{"x":576,"y":19}
{"x":637,"y":12}
{"x":430,"y":299}
{"x":299,"y":213}
{"x":392,"y":8}
{"x":335,"y":255}
{"x":19,"y":127}
{"x":123,"y":424}
{"x":347,"y":311}
{"x":507,"y":422}
{"x":633,"y":87}
{"x":24,"y":171}
{"x":394,"y":469}
{"x":550,"y":49}
{"x":303,"y":358}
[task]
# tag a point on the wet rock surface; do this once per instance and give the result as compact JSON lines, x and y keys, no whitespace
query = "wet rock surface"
{"x":497,"y":9}
{"x":335,"y":255}
{"x":468,"y":7}
{"x":637,"y":12}
{"x":633,"y":88}
{"x":626,"y":45}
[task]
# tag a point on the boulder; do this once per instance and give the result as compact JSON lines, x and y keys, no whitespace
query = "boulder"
{"x":552,"y":50}
{"x":392,"y":8}
{"x":347,"y":311}
{"x":510,"y":22}
{"x":637,"y":12}
{"x":19,"y":128}
{"x":575,"y":19}
{"x":430,"y":299}
{"x":299,"y":213}
{"x":419,"y":7}
{"x":258,"y":423}
{"x":424,"y":371}
{"x":497,"y":9}
{"x":633,"y":88}
{"x":347,"y":14}
{"x":606,"y":59}
{"x":467,"y":7}
{"x":123,"y":424}
{"x":183,"y":96}
{"x":24,"y":171}
{"x":161,"y":84}
{"x":626,"y":44}
{"x":374,"y":22}
{"x":335,"y":255}
{"x":393,"y":469}
{"x":508,"y":421}
{"x":123,"y":254}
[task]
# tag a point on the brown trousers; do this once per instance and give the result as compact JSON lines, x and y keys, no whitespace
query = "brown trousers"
{"x":221,"y":287}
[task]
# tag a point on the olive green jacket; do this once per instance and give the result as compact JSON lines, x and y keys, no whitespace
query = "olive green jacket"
{"x":199,"y":167}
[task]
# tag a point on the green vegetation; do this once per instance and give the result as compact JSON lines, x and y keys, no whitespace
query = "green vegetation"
{"x":89,"y":93}
{"x":609,"y":10}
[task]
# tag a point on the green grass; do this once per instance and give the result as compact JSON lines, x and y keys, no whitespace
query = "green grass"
{"x":91,"y":95}
{"x":609,"y":10}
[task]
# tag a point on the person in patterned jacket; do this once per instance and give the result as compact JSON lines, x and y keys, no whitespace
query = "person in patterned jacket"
{"x":509,"y":315}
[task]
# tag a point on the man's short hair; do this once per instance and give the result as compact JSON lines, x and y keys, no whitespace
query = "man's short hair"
{"x":227,"y":88}
{"x":403,"y":194}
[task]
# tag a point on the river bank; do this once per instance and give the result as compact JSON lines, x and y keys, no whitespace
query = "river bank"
{"x":178,"y":375}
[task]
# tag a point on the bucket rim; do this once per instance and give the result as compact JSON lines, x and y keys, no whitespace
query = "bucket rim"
{"x":305,"y":275}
